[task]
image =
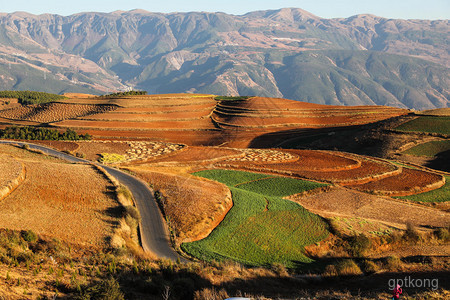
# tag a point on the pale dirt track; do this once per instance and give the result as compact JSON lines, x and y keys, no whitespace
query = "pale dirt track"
{"x":341,"y":202}
{"x":153,"y":230}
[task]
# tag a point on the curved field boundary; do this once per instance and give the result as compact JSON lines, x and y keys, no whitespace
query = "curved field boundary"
{"x":157,"y":112}
{"x":264,"y":156}
{"x":294,"y":113}
{"x":301,"y":125}
{"x":390,"y":170}
{"x":10,"y":184}
{"x":354,"y":162}
{"x":397,"y":183}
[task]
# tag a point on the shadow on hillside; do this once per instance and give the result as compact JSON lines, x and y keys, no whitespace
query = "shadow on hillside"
{"x":441,"y":162}
{"x":357,"y":286}
{"x":303,"y":138}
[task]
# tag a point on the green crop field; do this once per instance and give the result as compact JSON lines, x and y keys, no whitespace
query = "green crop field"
{"x":429,"y":149}
{"x":231,"y":178}
{"x":439,"y":195}
{"x":279,"y":186}
{"x":260,"y":229}
{"x":427,"y":124}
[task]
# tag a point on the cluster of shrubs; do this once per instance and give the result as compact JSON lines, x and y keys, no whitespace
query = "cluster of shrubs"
{"x":231,"y":98}
{"x":123,"y":94}
{"x":30,"y":97}
{"x":36,"y":133}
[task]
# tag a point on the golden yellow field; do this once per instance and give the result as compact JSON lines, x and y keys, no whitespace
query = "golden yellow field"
{"x":67,"y":201}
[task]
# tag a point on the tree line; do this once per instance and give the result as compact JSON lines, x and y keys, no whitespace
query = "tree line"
{"x":123,"y":94}
{"x":38,"y":133}
{"x":31,"y":97}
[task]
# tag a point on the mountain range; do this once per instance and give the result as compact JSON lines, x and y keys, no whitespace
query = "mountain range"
{"x":290,"y":53}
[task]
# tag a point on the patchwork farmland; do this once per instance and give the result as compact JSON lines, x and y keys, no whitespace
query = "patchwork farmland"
{"x":227,"y":203}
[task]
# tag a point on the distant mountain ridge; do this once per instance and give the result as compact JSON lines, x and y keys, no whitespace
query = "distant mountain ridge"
{"x":290,"y":53}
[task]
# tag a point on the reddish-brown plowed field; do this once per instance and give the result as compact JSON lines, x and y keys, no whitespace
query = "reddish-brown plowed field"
{"x":283,"y":122}
{"x":7,"y":122}
{"x":162,"y":100}
{"x":270,"y":112}
{"x":200,"y":154}
{"x":156,"y":117}
{"x":162,"y":109}
{"x":309,"y":160}
{"x":59,"y":145}
{"x":147,"y":100}
{"x":160,"y":125}
{"x":51,"y":112}
{"x":66,"y":201}
{"x":190,"y":137}
{"x":368,"y":171}
{"x":194,"y":206}
{"x":409,"y":181}
{"x":239,"y":122}
{"x":93,"y":149}
{"x":261,"y":103}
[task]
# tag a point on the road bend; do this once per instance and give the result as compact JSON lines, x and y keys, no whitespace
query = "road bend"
{"x":153,"y":230}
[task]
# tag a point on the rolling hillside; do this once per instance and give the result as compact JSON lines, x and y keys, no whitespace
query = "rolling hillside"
{"x":289,"y":53}
{"x":198,"y":119}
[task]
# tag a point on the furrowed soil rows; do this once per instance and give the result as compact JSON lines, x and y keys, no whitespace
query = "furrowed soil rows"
{"x":300,"y":160}
{"x":160,"y":125}
{"x":201,"y":154}
{"x":60,"y":145}
{"x":156,"y":117}
{"x":52,"y":112}
{"x":263,"y":156}
{"x":408,"y":182}
{"x":130,"y":150}
{"x":66,"y":201}
{"x":167,"y":109}
{"x":260,"y":112}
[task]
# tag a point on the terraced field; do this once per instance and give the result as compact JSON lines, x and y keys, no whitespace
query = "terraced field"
{"x":269,"y":228}
{"x":435,"y":196}
{"x":52,"y":112}
{"x":192,"y":119}
{"x":258,"y":112}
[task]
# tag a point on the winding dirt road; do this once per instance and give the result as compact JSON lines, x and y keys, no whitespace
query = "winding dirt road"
{"x":153,"y":230}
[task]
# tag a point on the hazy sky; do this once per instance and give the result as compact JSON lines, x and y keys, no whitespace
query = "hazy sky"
{"x":402,"y":9}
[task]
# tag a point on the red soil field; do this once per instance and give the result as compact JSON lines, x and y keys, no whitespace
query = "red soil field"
{"x":190,"y":137}
{"x":160,"y":125}
{"x":408,"y":182}
{"x":139,"y":117}
{"x":162,"y":109}
{"x":200,"y":155}
{"x":59,"y":145}
{"x":310,"y":160}
{"x":170,"y":117}
{"x":366,"y":172}
{"x":286,"y":122}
